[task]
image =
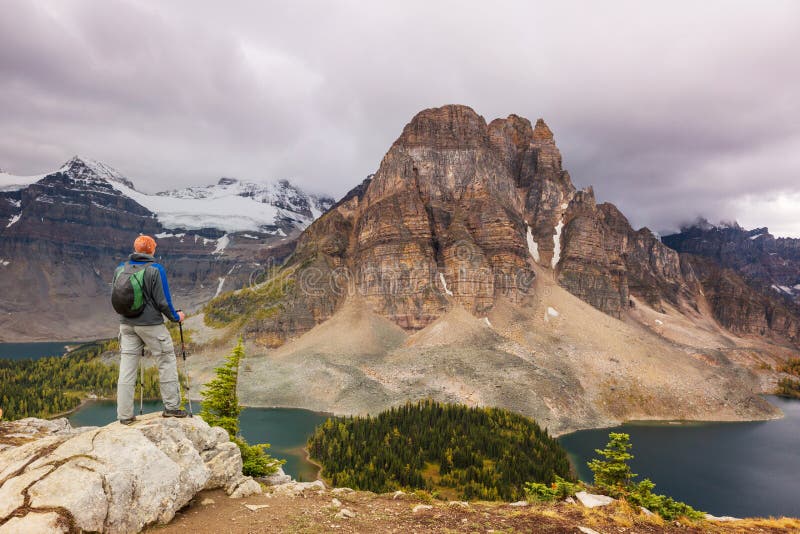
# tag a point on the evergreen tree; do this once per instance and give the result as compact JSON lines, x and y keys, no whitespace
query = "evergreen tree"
{"x":221,"y":408}
{"x":220,"y":401}
{"x":613,"y":475}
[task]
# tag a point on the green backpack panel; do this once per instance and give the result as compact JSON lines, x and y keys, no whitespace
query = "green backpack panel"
{"x":127,"y":294}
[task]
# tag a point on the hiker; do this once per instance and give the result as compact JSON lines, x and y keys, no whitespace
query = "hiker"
{"x":140,"y":295}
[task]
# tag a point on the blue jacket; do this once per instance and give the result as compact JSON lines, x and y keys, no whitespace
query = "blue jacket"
{"x":158,"y":301}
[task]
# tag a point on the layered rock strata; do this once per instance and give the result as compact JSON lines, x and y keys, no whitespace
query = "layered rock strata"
{"x":459,"y":212}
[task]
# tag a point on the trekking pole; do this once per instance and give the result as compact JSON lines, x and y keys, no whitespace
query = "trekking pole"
{"x":185,"y":370}
{"x":141,"y":383}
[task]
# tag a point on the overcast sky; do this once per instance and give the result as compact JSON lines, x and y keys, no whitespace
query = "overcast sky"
{"x":671,"y":111}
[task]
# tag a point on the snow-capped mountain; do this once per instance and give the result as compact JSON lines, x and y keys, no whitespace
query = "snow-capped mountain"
{"x":230,"y":205}
{"x":62,"y":233}
{"x":11,"y":182}
{"x":235,"y":206}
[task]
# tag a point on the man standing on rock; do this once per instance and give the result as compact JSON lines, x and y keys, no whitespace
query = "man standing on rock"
{"x":140,"y":295}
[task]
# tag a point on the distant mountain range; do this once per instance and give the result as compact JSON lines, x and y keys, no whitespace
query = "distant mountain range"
{"x":61,"y":234}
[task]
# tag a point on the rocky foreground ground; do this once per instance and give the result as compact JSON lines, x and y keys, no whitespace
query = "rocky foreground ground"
{"x":297,"y":508}
{"x":180,"y":475}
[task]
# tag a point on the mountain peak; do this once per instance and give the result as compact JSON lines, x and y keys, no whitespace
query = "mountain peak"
{"x":450,"y":126}
{"x":80,"y":168}
{"x":542,"y":132}
{"x":227,"y":181}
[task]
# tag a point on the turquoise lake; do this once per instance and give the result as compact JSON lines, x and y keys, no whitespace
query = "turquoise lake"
{"x":23,"y":351}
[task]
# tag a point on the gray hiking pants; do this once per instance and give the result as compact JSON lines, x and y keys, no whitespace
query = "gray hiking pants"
{"x":158,"y":341}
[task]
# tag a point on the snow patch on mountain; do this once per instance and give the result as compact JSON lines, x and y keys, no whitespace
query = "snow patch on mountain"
{"x":13,"y":219}
{"x":230,"y":205}
{"x":222,"y":244}
{"x":533,"y":246}
{"x":781,"y":289}
{"x":557,"y":243}
{"x":11,"y":182}
{"x":444,"y":284}
{"x":219,"y":287}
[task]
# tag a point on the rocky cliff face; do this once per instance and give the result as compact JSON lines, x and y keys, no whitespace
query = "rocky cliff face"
{"x":750,"y":278}
{"x":62,"y":235}
{"x":459,"y":212}
{"x":768,"y":263}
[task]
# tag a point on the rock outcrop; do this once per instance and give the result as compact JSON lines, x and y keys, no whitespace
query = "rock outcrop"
{"x":750,"y":279}
{"x":116,"y":478}
{"x":458,"y":213}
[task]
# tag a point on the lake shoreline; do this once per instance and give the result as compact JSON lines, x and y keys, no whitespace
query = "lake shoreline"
{"x":314,"y":462}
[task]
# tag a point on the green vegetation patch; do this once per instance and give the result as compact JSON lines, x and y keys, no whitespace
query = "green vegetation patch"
{"x":54,"y":385}
{"x":788,"y":387}
{"x":262,"y":300}
{"x":481,"y":453}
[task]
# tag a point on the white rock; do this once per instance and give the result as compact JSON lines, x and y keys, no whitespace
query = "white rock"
{"x":207,"y":501}
{"x":519,"y":504}
{"x":344,"y":513}
{"x":336,"y":503}
{"x":116,"y":478}
{"x":255,"y":507}
{"x":461,"y":504}
{"x":246,"y":487}
{"x":646,"y":512}
{"x":421,"y":508}
{"x":569,"y":500}
{"x":276,"y":478}
{"x":33,"y":428}
{"x":397,"y":494}
{"x":342,"y":491}
{"x":587,"y":530}
{"x":225,"y":463}
{"x":46,"y":523}
{"x":590,"y":500}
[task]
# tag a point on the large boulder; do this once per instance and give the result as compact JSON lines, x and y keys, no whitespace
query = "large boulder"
{"x":111,"y":479}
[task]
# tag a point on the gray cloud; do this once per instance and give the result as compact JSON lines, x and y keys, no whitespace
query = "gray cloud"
{"x":671,"y":111}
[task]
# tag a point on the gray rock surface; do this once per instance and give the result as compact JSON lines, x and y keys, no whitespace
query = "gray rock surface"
{"x":114,"y":478}
{"x":590,"y":500}
{"x":276,"y":479}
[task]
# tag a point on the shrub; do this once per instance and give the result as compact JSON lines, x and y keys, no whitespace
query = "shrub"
{"x":537,"y":491}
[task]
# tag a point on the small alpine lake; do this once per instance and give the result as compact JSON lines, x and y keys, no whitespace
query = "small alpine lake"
{"x":739,"y":469}
{"x":34,"y":351}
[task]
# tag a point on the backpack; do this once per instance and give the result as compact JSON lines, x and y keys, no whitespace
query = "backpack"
{"x":127,"y":293}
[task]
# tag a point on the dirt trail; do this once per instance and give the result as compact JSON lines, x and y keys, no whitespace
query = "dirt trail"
{"x":313,"y":511}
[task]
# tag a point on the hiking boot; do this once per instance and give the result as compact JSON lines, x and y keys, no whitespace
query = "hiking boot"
{"x":174,"y":413}
{"x":129,"y":421}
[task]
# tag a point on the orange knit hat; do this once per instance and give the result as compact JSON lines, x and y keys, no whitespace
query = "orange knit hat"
{"x":144,"y":244}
